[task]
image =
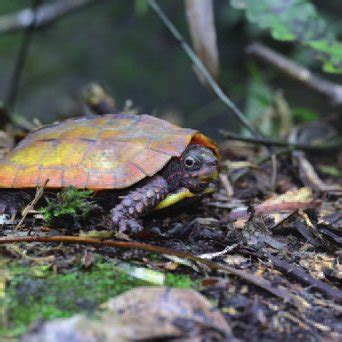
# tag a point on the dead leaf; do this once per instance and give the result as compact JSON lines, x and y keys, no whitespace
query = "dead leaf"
{"x":289,"y":201}
{"x":294,"y":195}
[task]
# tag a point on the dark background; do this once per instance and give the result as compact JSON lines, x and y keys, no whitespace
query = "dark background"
{"x":123,"y":45}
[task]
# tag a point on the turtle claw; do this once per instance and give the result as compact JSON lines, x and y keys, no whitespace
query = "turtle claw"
{"x":127,"y":225}
{"x":12,"y":203}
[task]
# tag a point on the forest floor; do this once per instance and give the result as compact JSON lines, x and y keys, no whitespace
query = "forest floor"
{"x":270,"y":240}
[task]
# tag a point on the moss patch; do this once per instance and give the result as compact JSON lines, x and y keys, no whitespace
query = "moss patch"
{"x":37,"y":293}
{"x":180,"y":280}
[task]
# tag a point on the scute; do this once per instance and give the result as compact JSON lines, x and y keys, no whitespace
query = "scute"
{"x":111,"y":151}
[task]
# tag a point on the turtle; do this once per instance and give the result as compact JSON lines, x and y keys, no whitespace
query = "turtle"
{"x":153,"y":162}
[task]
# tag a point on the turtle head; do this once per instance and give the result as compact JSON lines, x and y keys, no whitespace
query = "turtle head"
{"x":194,"y":173}
{"x":199,"y":169}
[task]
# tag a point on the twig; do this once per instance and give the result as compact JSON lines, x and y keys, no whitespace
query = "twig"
{"x":30,"y":206}
{"x":271,"y":142}
{"x":9,"y":102}
{"x":200,"y":67}
{"x":44,"y":15}
{"x":248,"y":277}
{"x":329,"y":89}
{"x":297,"y":273}
{"x":274,"y":171}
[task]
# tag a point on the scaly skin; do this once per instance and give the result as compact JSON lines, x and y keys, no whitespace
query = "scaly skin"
{"x":137,"y":203}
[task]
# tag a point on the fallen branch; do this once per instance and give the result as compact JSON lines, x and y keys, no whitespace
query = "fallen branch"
{"x":201,"y":68}
{"x":248,"y":277}
{"x":271,"y":142}
{"x":45,"y":14}
{"x":330,"y":90}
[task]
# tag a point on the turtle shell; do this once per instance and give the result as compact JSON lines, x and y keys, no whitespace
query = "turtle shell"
{"x":112,"y":151}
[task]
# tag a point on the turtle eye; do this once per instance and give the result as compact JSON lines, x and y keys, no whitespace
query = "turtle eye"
{"x":189,"y":162}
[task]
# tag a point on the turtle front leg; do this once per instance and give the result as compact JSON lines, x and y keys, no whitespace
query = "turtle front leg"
{"x":138,"y":203}
{"x":13,"y":201}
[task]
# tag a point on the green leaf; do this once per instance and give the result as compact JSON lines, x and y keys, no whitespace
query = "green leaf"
{"x":296,"y":20}
{"x":304,"y":114}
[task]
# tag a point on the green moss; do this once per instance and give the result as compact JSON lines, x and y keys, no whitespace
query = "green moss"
{"x":69,"y":202}
{"x":37,"y":293}
{"x":180,"y":280}
{"x":33,"y":295}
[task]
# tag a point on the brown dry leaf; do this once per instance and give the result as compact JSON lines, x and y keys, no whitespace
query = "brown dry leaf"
{"x":290,"y":200}
{"x":293,"y":195}
{"x":200,"y":17}
{"x":144,"y":313}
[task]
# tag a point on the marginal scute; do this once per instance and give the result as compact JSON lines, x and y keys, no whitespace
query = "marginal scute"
{"x":75,"y":176}
{"x":7,"y":176}
{"x":112,"y":151}
{"x":26,"y":175}
{"x":51,"y":177}
{"x":100,"y":180}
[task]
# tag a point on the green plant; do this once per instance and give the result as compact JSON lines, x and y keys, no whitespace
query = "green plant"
{"x":296,"y":20}
{"x":68,"y":202}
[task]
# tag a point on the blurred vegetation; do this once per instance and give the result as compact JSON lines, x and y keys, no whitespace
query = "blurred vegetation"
{"x":296,"y":20}
{"x":36,"y":292}
{"x":125,"y":47}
